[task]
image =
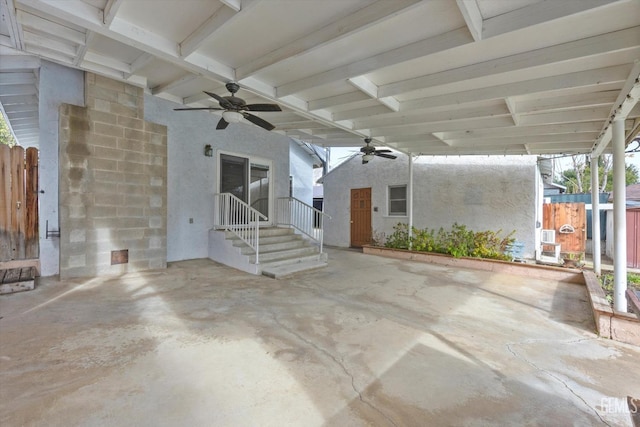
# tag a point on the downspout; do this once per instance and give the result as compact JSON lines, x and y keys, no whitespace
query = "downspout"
{"x":595,"y":217}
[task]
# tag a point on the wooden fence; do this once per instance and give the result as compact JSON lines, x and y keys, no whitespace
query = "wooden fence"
{"x":18,"y":203}
{"x":569,"y":220}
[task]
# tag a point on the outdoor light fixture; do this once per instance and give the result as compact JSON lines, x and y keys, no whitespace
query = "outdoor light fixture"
{"x":208,"y":150}
{"x":368,"y":157}
{"x":232,"y":116}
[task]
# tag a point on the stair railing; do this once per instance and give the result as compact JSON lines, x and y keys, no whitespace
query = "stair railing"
{"x":233,"y":215}
{"x":294,"y":213}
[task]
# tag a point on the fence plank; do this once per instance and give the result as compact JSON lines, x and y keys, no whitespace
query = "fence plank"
{"x":31,"y":204}
{"x":17,"y":203}
{"x":555,"y":215}
{"x":5,"y":202}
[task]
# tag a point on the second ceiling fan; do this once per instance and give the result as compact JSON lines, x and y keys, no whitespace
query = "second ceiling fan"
{"x":368,"y":152}
{"x":236,"y":108}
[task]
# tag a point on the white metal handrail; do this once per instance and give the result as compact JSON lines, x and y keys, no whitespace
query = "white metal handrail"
{"x":292,"y":212}
{"x":232,"y":214}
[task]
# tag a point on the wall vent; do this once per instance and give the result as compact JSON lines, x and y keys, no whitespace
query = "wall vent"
{"x":120,"y":257}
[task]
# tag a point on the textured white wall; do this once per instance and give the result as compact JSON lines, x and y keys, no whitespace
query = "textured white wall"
{"x":479,"y":192}
{"x":301,"y":168}
{"x":58,"y":84}
{"x":192,"y":177}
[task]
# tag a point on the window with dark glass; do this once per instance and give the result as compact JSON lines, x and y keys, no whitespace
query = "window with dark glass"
{"x":397,"y":200}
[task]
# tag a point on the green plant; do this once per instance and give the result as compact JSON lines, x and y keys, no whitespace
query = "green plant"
{"x":378,"y":238}
{"x":489,"y":244}
{"x":399,"y":239}
{"x":574,"y":256}
{"x":458,"y":241}
{"x":607,"y":284}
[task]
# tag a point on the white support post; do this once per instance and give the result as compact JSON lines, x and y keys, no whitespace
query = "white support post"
{"x":595,"y":217}
{"x":619,"y":219}
{"x":410,"y":198}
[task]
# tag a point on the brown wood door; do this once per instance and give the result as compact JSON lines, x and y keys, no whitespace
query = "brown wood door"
{"x":360,"y":217}
{"x":569,"y":220}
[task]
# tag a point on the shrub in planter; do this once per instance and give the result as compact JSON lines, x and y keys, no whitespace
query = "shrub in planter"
{"x":458,"y":242}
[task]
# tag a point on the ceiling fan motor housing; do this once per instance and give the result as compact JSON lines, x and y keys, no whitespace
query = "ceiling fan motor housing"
{"x":232,"y":87}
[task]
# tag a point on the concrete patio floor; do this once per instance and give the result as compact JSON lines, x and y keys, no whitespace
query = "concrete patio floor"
{"x":365,"y":341}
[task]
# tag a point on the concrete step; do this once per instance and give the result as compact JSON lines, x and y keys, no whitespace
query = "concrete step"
{"x":280,"y":271}
{"x":292,"y":260}
{"x":287,"y":254}
{"x":269,"y":239}
{"x":275,"y":231}
{"x":275,"y":247}
{"x":282,"y":252}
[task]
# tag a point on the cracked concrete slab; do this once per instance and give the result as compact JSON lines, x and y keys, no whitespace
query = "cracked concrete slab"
{"x":365,"y":341}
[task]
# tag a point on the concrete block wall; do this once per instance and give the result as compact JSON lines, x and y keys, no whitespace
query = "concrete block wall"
{"x":113,"y":182}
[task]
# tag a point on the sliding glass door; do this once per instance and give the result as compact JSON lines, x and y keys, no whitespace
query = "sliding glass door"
{"x":248,"y":179}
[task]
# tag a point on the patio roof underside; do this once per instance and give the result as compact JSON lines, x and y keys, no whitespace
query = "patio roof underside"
{"x":439,"y":77}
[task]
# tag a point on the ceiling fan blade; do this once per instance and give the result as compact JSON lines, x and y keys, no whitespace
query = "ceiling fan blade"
{"x":262,"y":107}
{"x":258,"y":121}
{"x":198,"y":108}
{"x":384,"y":150}
{"x":222,"y":124}
{"x":386,"y":156}
{"x":223,"y":102}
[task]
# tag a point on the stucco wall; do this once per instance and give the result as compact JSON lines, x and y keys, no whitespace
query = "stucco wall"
{"x":57,"y":85}
{"x":192,"y":178}
{"x":301,"y":168}
{"x":482,"y":193}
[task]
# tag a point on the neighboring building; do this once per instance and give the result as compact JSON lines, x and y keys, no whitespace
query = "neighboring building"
{"x":547,"y":172}
{"x":633,"y":226}
{"x":304,"y":159}
{"x":482,"y":193}
{"x":632,"y":194}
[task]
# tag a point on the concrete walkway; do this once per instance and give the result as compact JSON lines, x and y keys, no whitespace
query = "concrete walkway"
{"x":366,"y":341}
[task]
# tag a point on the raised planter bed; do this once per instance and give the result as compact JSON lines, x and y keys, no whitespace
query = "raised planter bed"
{"x":634,"y":299}
{"x":531,"y":270}
{"x":611,"y":324}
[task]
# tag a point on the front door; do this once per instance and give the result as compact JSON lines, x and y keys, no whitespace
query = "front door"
{"x":360,"y":217}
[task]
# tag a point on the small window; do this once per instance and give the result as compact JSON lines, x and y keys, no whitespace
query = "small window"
{"x":397,"y":200}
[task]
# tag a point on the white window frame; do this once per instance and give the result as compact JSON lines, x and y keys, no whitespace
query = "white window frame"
{"x":252,"y":160}
{"x":396,"y":214}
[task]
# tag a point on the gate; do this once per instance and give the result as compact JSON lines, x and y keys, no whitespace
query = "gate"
{"x":569,"y":222}
{"x":19,"y":246}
